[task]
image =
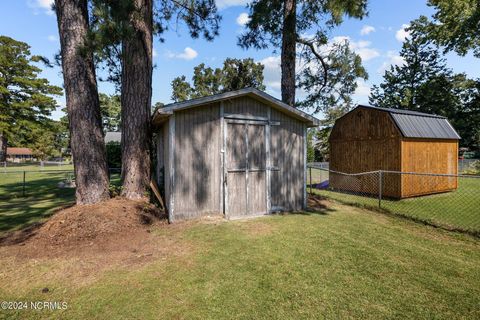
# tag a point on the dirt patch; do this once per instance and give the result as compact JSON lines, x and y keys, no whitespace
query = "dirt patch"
{"x":79,"y":244}
{"x":256,"y":228}
{"x":318,"y":203}
{"x":113,"y":222}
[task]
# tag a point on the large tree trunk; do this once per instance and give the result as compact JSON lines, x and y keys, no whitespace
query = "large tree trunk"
{"x":3,"y":148}
{"x":83,"y":107}
{"x":136,"y":102}
{"x":289,"y":37}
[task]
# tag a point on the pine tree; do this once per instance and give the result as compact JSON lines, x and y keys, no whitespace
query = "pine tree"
{"x":121,"y":37}
{"x":283,"y":23}
{"x":25,"y":99}
{"x":83,"y":106}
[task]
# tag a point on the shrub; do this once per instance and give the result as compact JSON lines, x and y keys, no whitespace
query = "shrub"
{"x":114,"y":154}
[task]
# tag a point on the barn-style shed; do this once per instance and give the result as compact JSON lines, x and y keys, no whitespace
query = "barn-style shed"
{"x":370,"y":138}
{"x":239,"y":153}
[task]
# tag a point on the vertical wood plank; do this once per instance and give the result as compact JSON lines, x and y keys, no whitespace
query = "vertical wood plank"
{"x":171,"y":160}
{"x":268,"y":160}
{"x":222,"y":158}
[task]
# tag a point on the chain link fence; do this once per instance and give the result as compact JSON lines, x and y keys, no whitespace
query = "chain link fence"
{"x":448,"y":201}
{"x":42,"y":183}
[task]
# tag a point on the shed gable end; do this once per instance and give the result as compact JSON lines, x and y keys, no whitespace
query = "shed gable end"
{"x":364,"y":124}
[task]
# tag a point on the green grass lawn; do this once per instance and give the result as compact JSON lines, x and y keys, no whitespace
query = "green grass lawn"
{"x":336,"y":263}
{"x":459,"y":209}
{"x":20,"y":207}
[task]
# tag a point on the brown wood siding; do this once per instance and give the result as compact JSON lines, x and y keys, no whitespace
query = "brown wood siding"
{"x":245,"y":106}
{"x":428,"y":156}
{"x":364,"y":141}
{"x":197,"y":162}
{"x":286,"y":152}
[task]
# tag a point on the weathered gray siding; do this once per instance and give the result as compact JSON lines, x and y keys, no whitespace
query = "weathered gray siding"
{"x":197,"y":187}
{"x":287,"y":156}
{"x":246,"y":106}
{"x":192,"y":141}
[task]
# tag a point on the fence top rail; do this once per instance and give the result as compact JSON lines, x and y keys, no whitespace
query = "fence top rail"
{"x":47,"y":171}
{"x":35,"y":171}
{"x":433,"y":174}
{"x":398,"y":172}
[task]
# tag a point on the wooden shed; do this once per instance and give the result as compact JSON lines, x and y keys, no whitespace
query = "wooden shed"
{"x":370,"y":138}
{"x":239,"y":153}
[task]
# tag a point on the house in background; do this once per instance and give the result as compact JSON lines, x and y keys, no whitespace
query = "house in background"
{"x":19,"y":154}
{"x":369,"y":139}
{"x":240,"y":153}
{"x":113,"y":136}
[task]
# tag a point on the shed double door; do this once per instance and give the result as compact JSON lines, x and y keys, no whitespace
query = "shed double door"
{"x":246,"y":168}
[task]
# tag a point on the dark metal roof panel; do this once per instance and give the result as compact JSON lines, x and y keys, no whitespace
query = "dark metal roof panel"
{"x":419,"y":126}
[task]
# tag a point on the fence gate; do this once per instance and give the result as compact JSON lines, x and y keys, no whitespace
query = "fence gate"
{"x":246,"y":168}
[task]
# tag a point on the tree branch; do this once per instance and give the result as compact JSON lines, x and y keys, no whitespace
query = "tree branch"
{"x":310,"y":45}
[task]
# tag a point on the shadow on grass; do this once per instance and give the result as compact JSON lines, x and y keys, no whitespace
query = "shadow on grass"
{"x":316,"y":205}
{"x":43,"y":198}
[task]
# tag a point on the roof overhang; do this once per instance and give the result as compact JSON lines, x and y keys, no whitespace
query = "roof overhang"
{"x":164,"y":113}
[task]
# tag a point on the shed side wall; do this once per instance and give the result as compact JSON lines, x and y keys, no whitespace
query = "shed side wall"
{"x":362,"y":141}
{"x":197,"y":162}
{"x":429,"y":156}
{"x":286,"y":151}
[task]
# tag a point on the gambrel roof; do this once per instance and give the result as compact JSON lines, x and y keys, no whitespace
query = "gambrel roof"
{"x":414,"y":124}
{"x":261,"y":96}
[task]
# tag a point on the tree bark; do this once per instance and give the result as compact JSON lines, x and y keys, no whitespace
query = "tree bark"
{"x":3,"y":148}
{"x":136,"y":102}
{"x":83,"y":107}
{"x":289,"y":36}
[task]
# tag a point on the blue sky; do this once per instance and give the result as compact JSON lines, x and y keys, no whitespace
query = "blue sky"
{"x":377,"y":38}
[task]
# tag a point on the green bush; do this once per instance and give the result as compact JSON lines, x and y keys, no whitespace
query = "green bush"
{"x":114,"y":154}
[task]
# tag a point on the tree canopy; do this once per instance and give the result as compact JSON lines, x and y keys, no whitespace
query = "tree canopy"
{"x":234,"y":75}
{"x":26,"y":100}
{"x":305,"y":24}
{"x":454,"y":25}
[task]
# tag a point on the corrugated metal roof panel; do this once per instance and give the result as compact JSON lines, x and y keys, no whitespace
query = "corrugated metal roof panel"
{"x":419,"y":126}
{"x":403,"y":111}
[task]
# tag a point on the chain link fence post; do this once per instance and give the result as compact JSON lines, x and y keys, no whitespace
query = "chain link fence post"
{"x":310,"y":168}
{"x":380,"y":187}
{"x":23,"y":187}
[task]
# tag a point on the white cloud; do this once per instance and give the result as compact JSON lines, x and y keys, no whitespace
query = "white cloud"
{"x":363,"y":89}
{"x":361,"y":47}
{"x":402,"y":34}
{"x":44,"y":5}
{"x":366,"y":30}
{"x":223,"y":4}
{"x":187,"y":54}
{"x":272,"y":72}
{"x":52,"y":38}
{"x":243,"y":19}
{"x":154,"y":53}
{"x":393,"y":59}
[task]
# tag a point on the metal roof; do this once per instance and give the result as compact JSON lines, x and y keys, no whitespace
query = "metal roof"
{"x":413,"y":124}
{"x":112,"y":136}
{"x":250,"y":92}
{"x":19,"y":151}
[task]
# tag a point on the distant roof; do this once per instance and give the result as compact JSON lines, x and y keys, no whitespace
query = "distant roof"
{"x":251,"y":92}
{"x":414,"y":124}
{"x":19,"y":151}
{"x":113,"y":137}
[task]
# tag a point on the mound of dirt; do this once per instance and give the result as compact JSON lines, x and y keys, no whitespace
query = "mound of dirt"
{"x":87,"y":225}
